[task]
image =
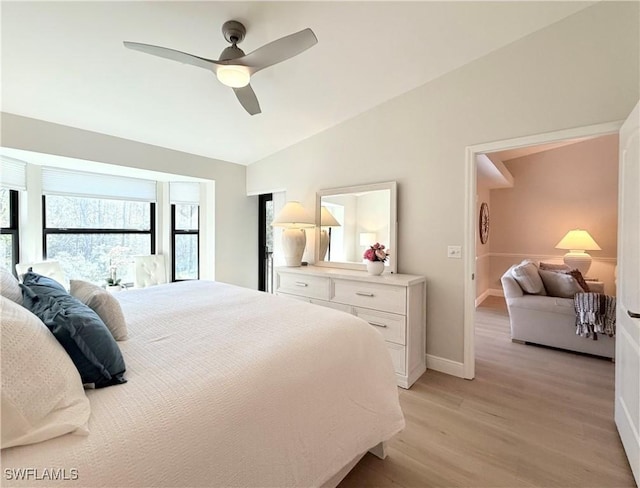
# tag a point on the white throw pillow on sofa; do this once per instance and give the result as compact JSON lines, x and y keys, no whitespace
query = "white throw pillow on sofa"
{"x":527,"y":276}
{"x":42,"y":393}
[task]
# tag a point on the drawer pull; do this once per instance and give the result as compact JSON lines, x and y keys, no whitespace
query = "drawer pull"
{"x":364,"y":294}
{"x":378,"y":325}
{"x":301,"y":283}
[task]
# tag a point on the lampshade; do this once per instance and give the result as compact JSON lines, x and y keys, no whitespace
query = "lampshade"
{"x":327,"y":219}
{"x":579,"y":240}
{"x":233,"y":76}
{"x":367,"y":238}
{"x":293,"y":215}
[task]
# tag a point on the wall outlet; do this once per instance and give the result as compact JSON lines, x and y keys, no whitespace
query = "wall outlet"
{"x":454,"y":252}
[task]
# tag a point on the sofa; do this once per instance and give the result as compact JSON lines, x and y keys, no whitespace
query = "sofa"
{"x":548,"y":320}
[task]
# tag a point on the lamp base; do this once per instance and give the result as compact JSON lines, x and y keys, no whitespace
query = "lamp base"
{"x":324,"y":244}
{"x":579,"y":260}
{"x":293,"y":244}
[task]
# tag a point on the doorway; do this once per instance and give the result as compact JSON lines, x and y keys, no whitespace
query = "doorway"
{"x":471,"y":216}
{"x":265,"y":242}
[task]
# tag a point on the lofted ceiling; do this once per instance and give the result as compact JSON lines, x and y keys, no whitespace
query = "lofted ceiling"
{"x":64,"y":62}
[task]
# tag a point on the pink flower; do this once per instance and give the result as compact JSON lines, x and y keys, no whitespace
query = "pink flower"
{"x":376,"y":252}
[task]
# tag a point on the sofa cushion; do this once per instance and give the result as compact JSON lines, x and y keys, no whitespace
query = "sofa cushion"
{"x":560,"y":284}
{"x":527,"y":276}
{"x":540,"y":303}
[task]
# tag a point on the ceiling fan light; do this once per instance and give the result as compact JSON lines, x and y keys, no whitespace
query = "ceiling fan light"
{"x":233,"y":76}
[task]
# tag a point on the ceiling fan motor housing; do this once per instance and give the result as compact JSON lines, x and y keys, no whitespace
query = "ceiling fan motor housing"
{"x":233,"y":31}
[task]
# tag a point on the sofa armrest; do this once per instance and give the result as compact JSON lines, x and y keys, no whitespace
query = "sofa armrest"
{"x":596,"y":286}
{"x":510,"y":286}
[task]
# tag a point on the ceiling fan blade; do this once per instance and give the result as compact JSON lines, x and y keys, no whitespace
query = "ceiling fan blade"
{"x":165,"y":52}
{"x":279,"y":50}
{"x":247,"y":97}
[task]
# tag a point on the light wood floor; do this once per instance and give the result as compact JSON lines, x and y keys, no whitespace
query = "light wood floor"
{"x":531,"y":417}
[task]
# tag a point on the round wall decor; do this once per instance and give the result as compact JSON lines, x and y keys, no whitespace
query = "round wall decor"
{"x":483,"y":224}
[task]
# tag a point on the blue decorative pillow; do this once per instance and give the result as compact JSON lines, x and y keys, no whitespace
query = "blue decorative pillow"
{"x":79,"y":329}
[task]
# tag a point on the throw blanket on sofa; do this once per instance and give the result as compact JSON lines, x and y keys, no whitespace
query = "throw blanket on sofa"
{"x":595,"y":314}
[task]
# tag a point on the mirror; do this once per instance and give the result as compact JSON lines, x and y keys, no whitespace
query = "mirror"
{"x":350,"y":219}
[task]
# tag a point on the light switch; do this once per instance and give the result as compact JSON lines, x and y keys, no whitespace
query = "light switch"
{"x":454,"y":252}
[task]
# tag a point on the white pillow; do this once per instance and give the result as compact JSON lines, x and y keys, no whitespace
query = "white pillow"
{"x":527,"y":276}
{"x":42,"y":393}
{"x":104,"y":304}
{"x":9,"y":287}
{"x":560,"y":285}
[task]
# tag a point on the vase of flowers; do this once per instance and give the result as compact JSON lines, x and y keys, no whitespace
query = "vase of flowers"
{"x":113,"y":282}
{"x":375,"y":256}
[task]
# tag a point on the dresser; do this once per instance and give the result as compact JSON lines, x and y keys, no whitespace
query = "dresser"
{"x":395,"y":304}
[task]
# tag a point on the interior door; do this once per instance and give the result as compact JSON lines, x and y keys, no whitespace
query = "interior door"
{"x":627,"y":395}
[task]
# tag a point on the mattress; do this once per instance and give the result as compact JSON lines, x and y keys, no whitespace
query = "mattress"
{"x":227,"y":387}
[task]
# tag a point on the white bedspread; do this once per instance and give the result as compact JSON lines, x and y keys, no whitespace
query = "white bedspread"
{"x":229,"y":387}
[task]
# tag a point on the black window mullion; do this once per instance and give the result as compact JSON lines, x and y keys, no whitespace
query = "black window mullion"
{"x":173,"y":242}
{"x":152,"y":226}
{"x":13,"y":229}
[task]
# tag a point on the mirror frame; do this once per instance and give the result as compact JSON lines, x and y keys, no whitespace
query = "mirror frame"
{"x":393,"y":225}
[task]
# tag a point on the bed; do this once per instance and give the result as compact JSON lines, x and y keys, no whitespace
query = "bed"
{"x":229,"y":387}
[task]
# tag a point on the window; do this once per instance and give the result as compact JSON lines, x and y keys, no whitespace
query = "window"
{"x":88,"y":236}
{"x":265,"y":242}
{"x":185,"y":237}
{"x":9,"y":241}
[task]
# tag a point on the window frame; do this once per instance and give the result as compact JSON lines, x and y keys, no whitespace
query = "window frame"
{"x":176,"y":232}
{"x":14,"y":228}
{"x":46,"y":231}
{"x":265,"y":282}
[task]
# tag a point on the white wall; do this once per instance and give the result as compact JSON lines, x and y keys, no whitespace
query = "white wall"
{"x":577,"y":72}
{"x":236,"y":215}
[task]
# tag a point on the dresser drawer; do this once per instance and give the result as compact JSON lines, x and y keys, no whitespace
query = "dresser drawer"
{"x":397,"y":357}
{"x":376,"y":296}
{"x":304,"y":285}
{"x":391,"y":326}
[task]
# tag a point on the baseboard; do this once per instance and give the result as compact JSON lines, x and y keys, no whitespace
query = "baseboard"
{"x":489,"y":292}
{"x":496,"y":292}
{"x":446,"y":366}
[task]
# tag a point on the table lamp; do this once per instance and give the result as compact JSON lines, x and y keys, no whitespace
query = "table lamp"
{"x":326,"y":220}
{"x":577,"y":241}
{"x":294,"y":219}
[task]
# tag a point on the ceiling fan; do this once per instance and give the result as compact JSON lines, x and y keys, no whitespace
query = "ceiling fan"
{"x":235,"y":68}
